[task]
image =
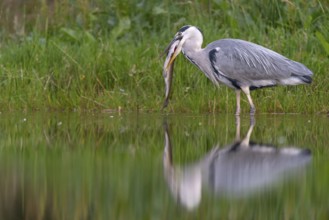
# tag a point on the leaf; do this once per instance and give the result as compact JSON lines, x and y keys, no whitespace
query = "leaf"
{"x":158,"y":10}
{"x":124,"y":25}
{"x":323,"y":41}
{"x":72,"y":34}
{"x":89,"y":36}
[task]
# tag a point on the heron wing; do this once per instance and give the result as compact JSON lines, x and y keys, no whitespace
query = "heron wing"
{"x":245,"y":62}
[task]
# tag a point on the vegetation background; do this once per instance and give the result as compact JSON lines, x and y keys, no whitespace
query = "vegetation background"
{"x":105,"y":55}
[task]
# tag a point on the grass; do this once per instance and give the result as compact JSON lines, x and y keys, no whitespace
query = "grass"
{"x":94,"y":55}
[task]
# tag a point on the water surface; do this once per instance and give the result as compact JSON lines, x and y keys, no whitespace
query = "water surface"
{"x":144,"y":166}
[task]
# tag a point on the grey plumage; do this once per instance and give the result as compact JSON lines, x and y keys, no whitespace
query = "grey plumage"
{"x":246,"y":169}
{"x":248,"y":64}
{"x":239,"y":64}
{"x":235,"y":170}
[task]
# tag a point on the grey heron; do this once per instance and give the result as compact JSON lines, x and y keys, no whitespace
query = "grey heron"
{"x":236,"y":170}
{"x":239,"y":64}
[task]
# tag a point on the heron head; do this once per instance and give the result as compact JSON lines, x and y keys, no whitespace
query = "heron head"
{"x":187,"y":32}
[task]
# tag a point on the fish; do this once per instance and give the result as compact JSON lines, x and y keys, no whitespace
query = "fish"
{"x":168,"y":70}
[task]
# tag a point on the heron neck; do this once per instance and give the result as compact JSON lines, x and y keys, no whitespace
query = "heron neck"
{"x":191,"y":53}
{"x":191,"y":48}
{"x":194,"y":57}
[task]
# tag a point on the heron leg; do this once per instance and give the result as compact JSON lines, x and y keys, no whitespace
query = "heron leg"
{"x":237,"y":132}
{"x":246,"y":140}
{"x":252,"y":106}
{"x":238,"y":108}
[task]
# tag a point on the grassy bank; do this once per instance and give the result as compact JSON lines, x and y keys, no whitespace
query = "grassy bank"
{"x":96,"y":55}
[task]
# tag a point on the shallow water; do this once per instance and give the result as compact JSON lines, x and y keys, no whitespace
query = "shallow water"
{"x":139,"y":166}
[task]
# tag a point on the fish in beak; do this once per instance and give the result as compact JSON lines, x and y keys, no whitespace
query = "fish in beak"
{"x":173,"y":49}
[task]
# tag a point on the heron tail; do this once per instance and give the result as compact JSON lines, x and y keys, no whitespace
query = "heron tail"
{"x":300,"y":74}
{"x":304,"y":78}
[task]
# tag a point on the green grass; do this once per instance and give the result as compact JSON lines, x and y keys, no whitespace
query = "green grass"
{"x":96,"y":55}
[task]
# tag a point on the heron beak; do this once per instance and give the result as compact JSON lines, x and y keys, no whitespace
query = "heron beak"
{"x":172,"y":51}
{"x":171,"y":61}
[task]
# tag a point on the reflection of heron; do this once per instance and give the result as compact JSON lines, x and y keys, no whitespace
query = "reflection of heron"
{"x":235,"y":170}
{"x":239,"y":64}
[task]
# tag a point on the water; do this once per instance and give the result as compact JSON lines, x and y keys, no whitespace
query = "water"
{"x":139,"y":166}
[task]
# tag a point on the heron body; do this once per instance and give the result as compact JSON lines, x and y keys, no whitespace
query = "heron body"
{"x":239,"y":64}
{"x":235,"y":170}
